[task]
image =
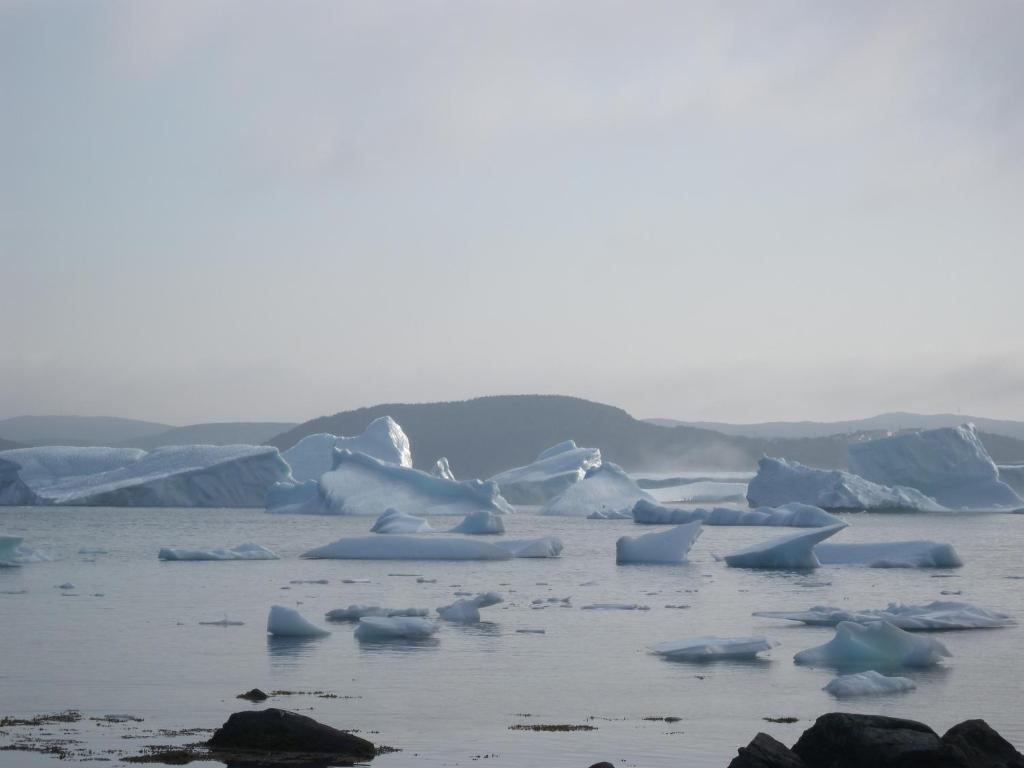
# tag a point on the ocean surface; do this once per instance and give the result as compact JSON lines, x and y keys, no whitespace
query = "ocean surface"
{"x":127,"y":638}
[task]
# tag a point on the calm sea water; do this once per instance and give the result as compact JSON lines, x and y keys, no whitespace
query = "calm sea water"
{"x":127,"y":638}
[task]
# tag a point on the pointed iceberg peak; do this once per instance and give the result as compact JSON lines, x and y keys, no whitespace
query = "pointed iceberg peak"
{"x":383,"y":439}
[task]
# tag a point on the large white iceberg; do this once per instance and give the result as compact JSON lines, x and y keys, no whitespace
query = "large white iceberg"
{"x":935,"y":616}
{"x":46,"y":465}
{"x":357,"y":612}
{"x":545,"y":546}
{"x":796,"y":550}
{"x":241,"y":552}
{"x":551,"y":473}
{"x":480,"y":523}
{"x":467,"y":609}
{"x":711,"y":648}
{"x":875,"y":644}
{"x":394,"y":521}
{"x":950,"y":465}
{"x":408,"y":548}
{"x":14,"y":492}
{"x":605,"y":488}
{"x":779,"y":482}
{"x":668,"y":546}
{"x":868,"y":683}
{"x":287,"y":622}
{"x":396,"y":627}
{"x":314,"y":454}
{"x":891,"y":554}
{"x":792,"y":515}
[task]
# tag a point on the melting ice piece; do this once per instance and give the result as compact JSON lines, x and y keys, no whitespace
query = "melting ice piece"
{"x":605,"y":488}
{"x":868,"y":683}
{"x":933,"y":617}
{"x":407,"y":548}
{"x":875,"y":644}
{"x":552,"y":472}
{"x":442,"y":469}
{"x":710,"y":648}
{"x":795,"y":550}
{"x":394,"y":521}
{"x":467,"y":610}
{"x":668,"y":546}
{"x":406,"y":627}
{"x":241,"y":552}
{"x":480,"y":523}
{"x":891,"y":554}
{"x":546,"y":546}
{"x":357,"y":612}
{"x":314,"y":454}
{"x":287,"y":622}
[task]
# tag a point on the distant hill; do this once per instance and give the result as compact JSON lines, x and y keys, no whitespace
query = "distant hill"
{"x":76,"y":430}
{"x":226,"y":433}
{"x":6,"y":445}
{"x":483,"y":436}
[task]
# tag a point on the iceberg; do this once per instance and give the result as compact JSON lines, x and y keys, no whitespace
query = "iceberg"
{"x":711,"y":648}
{"x":467,"y":610}
{"x":374,"y":628}
{"x":668,"y":546}
{"x":480,"y":523}
{"x":796,"y":550}
{"x":314,"y":454}
{"x":949,"y":464}
{"x":357,"y":612}
{"x":13,"y":490}
{"x":647,"y":512}
{"x":792,"y":515}
{"x":1013,"y":476}
{"x":442,"y":470}
{"x":875,"y":644}
{"x":47,"y":465}
{"x":241,"y":552}
{"x":407,"y":548}
{"x":551,"y":473}
{"x":779,"y":482}
{"x":891,"y":554}
{"x":868,"y":683}
{"x":394,"y":521}
{"x":610,"y":515}
{"x":933,"y":617}
{"x":546,"y":546}
{"x":605,"y":488}
{"x":287,"y":622}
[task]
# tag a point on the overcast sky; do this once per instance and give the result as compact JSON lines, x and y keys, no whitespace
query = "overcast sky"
{"x":704,"y":210}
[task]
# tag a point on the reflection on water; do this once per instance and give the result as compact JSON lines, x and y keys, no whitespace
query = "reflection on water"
{"x":290,"y":650}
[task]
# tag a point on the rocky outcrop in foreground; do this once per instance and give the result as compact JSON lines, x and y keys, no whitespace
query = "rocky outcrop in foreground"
{"x":277,"y":731}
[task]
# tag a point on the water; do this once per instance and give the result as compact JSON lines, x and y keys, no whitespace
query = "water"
{"x":139,"y":649}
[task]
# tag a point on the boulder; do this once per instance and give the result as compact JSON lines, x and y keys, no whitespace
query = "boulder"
{"x":979,"y":746}
{"x":841,"y":740}
{"x":277,"y":730}
{"x":254,"y":695}
{"x":766,"y":752}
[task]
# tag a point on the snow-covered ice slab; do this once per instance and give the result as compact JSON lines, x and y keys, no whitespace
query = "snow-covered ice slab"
{"x":442,"y":469}
{"x":668,"y":547}
{"x":314,"y":454}
{"x":868,"y":683}
{"x":710,"y":648}
{"x":796,"y":550}
{"x":395,"y":628}
{"x":467,"y":610}
{"x":606,"y":488}
{"x":408,"y":548}
{"x":551,"y":473}
{"x":779,"y":482}
{"x":394,"y":521}
{"x":241,"y":552}
{"x":875,"y":644}
{"x":933,"y":617}
{"x":357,"y":612}
{"x":950,"y":465}
{"x":546,"y":546}
{"x":287,"y":622}
{"x":891,"y":554}
{"x":480,"y":523}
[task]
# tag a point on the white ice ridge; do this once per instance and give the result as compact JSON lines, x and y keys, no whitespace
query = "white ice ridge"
{"x":795,"y":550}
{"x":442,"y":469}
{"x":408,"y":548}
{"x":875,"y":644}
{"x":287,"y":622}
{"x":891,"y":554}
{"x":606,"y":488}
{"x":241,"y":552}
{"x":362,"y":485}
{"x":933,"y":617}
{"x":467,"y":610}
{"x":394,"y":521}
{"x":779,"y":481}
{"x":950,"y":465}
{"x":554,"y":470}
{"x":480,"y":523}
{"x":546,"y":546}
{"x":868,"y":683}
{"x":314,"y":454}
{"x":14,"y":492}
{"x":711,"y":648}
{"x":357,"y":612}
{"x":395,"y":627}
{"x":668,"y":546}
{"x":792,"y":515}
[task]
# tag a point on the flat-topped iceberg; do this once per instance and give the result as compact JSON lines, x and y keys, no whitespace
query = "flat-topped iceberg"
{"x":551,"y":473}
{"x":408,"y":548}
{"x":480,"y":523}
{"x":932,"y":617}
{"x":779,"y":482}
{"x":796,"y":550}
{"x":868,"y":683}
{"x":668,"y":546}
{"x":14,"y":492}
{"x":357,"y":612}
{"x":47,"y":465}
{"x":394,"y":521}
{"x":875,"y":644}
{"x":606,"y":488}
{"x":376,"y":628}
{"x":241,"y":552}
{"x":314,"y":454}
{"x":949,"y":464}
{"x":467,"y":610}
{"x":545,"y":546}
{"x":442,"y":469}
{"x":792,"y":515}
{"x":891,"y":554}
{"x":710,"y":648}
{"x":287,"y":622}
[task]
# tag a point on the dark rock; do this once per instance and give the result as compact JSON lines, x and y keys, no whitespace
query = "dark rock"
{"x":766,"y":752}
{"x":979,"y":746}
{"x":277,"y":730}
{"x":602,"y":765}
{"x":254,"y":695}
{"x":840,"y":740}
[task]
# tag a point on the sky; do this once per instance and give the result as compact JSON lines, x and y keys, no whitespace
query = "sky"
{"x":722,"y":210}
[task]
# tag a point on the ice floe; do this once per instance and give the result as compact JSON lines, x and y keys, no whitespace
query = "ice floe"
{"x":400,"y":547}
{"x":545,"y":546}
{"x":394,"y":628}
{"x":394,"y":521}
{"x":932,"y":617}
{"x":606,"y":488}
{"x":314,"y":454}
{"x":480,"y":523}
{"x":875,"y":644}
{"x":241,"y":552}
{"x":793,"y":515}
{"x":891,"y":554}
{"x":668,"y":546}
{"x":710,"y":648}
{"x":868,"y":683}
{"x":467,"y":610}
{"x":551,"y":473}
{"x":795,"y":550}
{"x":288,"y":622}
{"x":357,"y":612}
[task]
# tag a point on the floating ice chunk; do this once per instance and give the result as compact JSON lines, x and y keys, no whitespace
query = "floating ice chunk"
{"x":647,"y":512}
{"x":467,"y":610}
{"x":891,"y":554}
{"x":868,"y":683}
{"x":616,"y":607}
{"x":443,"y":470}
{"x":711,"y":648}
{"x":796,"y":550}
{"x":875,"y":644}
{"x":14,"y":492}
{"x":356,"y":612}
{"x":792,"y":515}
{"x":241,"y":552}
{"x":779,"y":482}
{"x":546,"y":546}
{"x":935,"y":616}
{"x":606,"y":488}
{"x":394,"y":521}
{"x":408,"y":548}
{"x":668,"y":546}
{"x":13,"y":552}
{"x":314,"y":454}
{"x":480,"y":523}
{"x":610,"y":515}
{"x":405,"y":627}
{"x":552,"y":472}
{"x":287,"y":622}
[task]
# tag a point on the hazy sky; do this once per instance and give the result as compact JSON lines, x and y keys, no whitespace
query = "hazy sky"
{"x":705,"y":210}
